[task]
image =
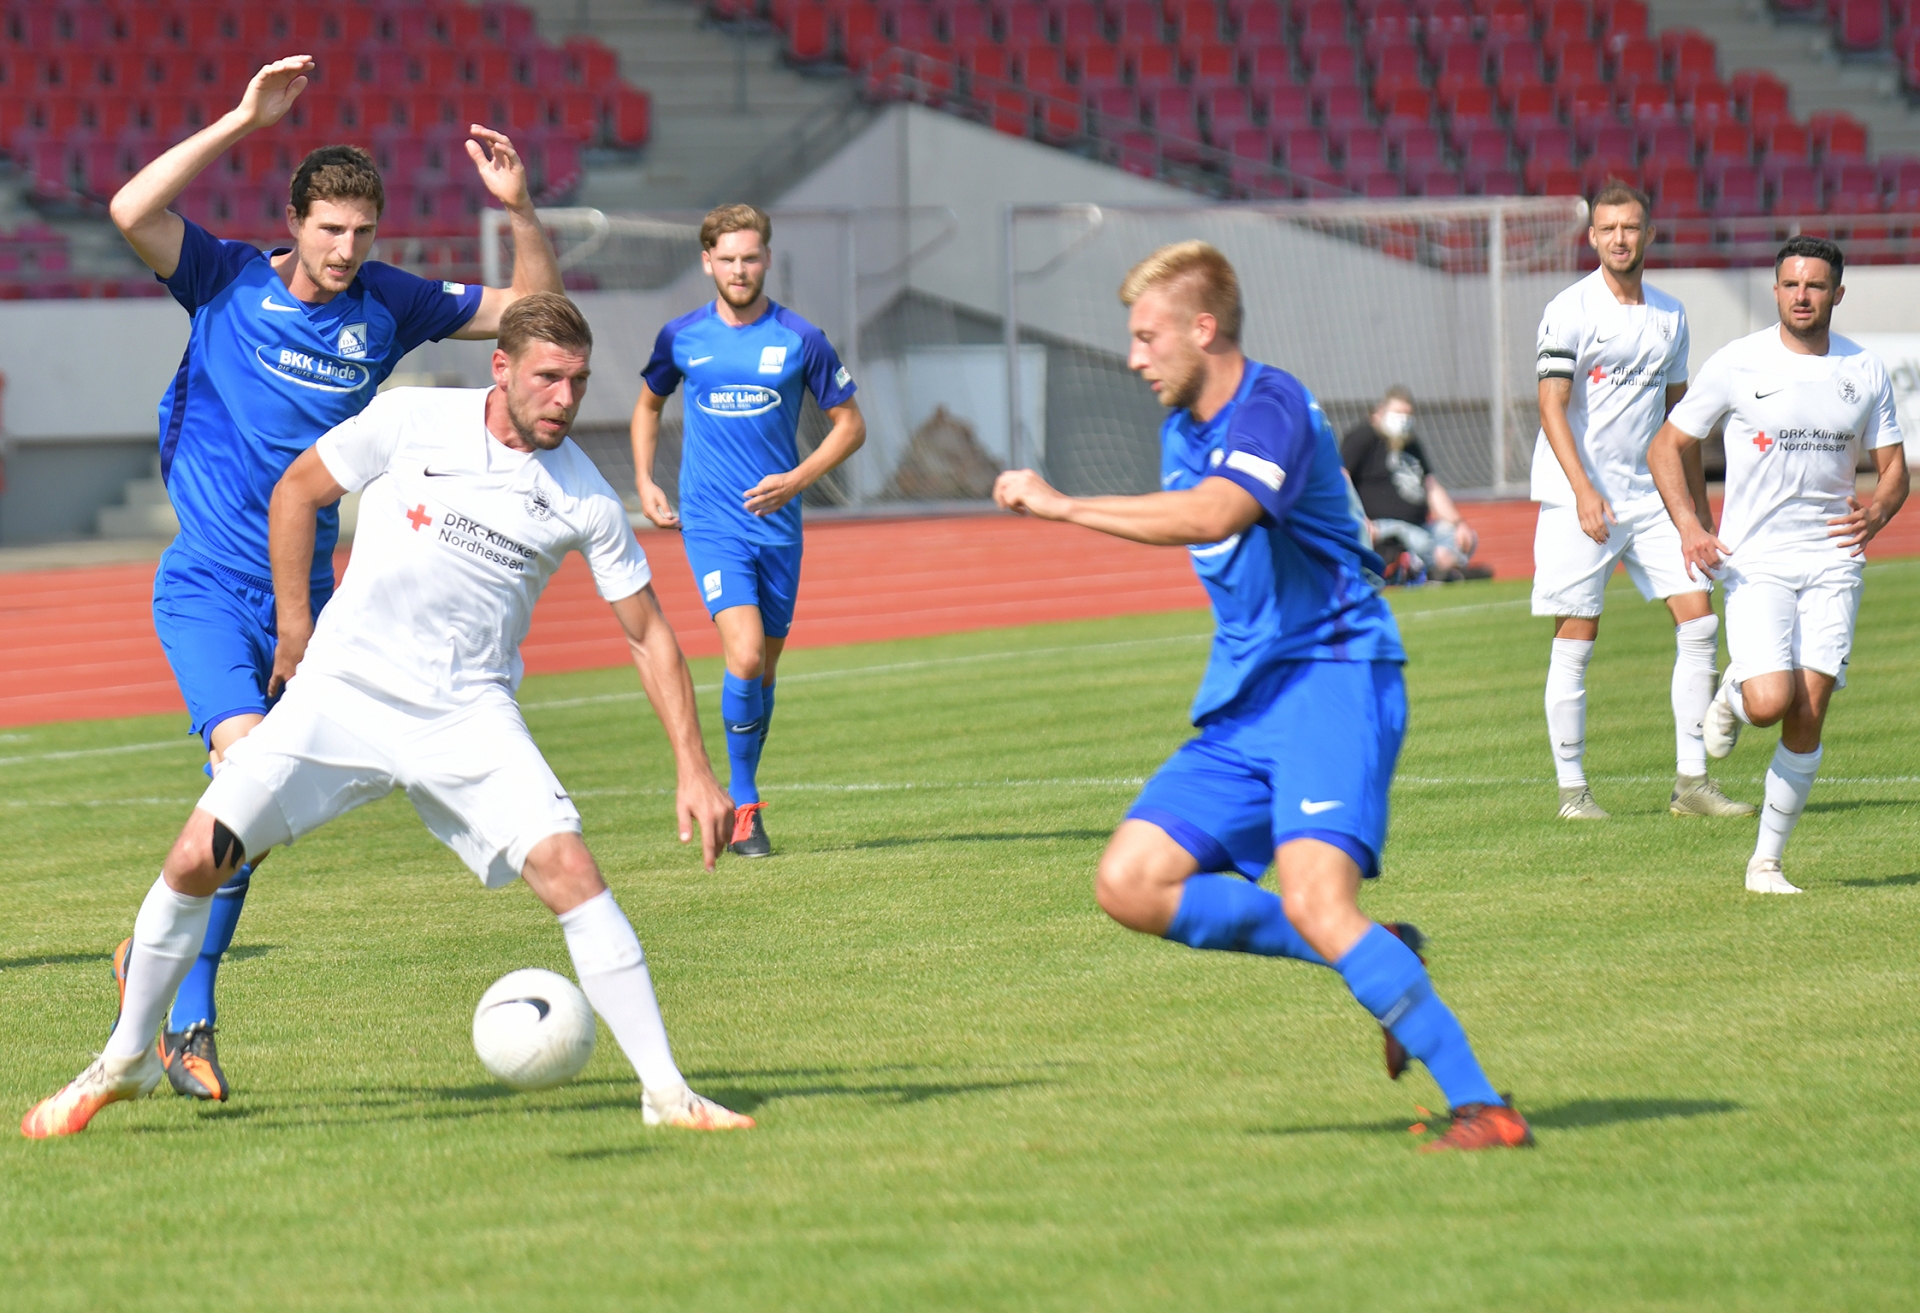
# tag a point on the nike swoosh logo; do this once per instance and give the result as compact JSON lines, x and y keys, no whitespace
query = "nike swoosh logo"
{"x":268,"y":303}
{"x":1762,"y":396}
{"x":437,"y":474}
{"x":1315,"y":808}
{"x":700,"y":361}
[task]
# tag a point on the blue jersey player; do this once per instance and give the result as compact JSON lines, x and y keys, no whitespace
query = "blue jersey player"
{"x":1302,"y":708}
{"x":748,"y":363}
{"x":283,"y":346}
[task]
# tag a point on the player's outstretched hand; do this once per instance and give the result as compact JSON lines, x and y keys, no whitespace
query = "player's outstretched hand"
{"x":274,"y":89}
{"x":655,"y":506}
{"x":1596,"y":514}
{"x":702,"y":803}
{"x":1701,"y":550}
{"x":1857,"y":527}
{"x":771,"y":493}
{"x":500,"y":166}
{"x":1025,"y":493}
{"x":288,"y":648}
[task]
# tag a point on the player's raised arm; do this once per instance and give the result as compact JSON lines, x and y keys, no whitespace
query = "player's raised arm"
{"x":139,"y":209}
{"x":535,"y":267}
{"x":699,"y":801}
{"x":307,"y":486}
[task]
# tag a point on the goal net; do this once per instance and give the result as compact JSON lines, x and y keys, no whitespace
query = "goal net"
{"x":1443,"y":297}
{"x":979,"y":351}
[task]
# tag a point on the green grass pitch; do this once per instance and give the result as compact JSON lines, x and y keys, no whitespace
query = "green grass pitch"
{"x":973,"y":1090}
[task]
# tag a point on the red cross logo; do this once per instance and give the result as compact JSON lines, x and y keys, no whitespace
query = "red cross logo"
{"x":1597,"y":375}
{"x":419,"y":517}
{"x":1763,"y":442}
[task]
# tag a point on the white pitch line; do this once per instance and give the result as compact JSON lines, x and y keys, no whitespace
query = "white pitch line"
{"x":70,"y":755}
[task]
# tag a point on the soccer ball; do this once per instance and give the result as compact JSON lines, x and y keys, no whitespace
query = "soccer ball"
{"x":533,"y":1029}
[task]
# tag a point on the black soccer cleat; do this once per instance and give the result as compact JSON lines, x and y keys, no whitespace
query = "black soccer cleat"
{"x":750,"y":832}
{"x":1397,"y":1057}
{"x":193,"y":1063}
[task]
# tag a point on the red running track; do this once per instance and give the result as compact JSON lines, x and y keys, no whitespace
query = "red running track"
{"x":79,"y":643}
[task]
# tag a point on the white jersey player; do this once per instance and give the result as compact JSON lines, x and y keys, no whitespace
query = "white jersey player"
{"x":1613,"y":361}
{"x":1800,"y":403}
{"x":472,"y":498}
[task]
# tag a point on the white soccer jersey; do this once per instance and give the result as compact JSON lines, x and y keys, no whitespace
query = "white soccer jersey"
{"x":458,"y":534}
{"x":1795,"y":425}
{"x":1621,"y":359}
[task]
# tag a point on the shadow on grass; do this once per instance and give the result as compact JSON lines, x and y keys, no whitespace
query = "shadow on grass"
{"x":601,"y":1155}
{"x":1011,"y":836}
{"x":248,"y":953}
{"x":1884,"y":881}
{"x":1860,"y":804}
{"x":1577,"y":1115}
{"x":49,"y":960}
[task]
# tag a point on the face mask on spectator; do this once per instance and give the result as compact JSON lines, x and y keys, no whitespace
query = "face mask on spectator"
{"x":1396,"y":425}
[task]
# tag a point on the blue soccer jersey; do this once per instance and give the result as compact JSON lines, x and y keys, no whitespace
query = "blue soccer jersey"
{"x":265,"y":375}
{"x":1300,"y":584}
{"x":742,"y":410}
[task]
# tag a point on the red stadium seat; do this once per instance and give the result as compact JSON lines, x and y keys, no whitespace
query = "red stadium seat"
{"x":1485,"y":149}
{"x":967,"y":23}
{"x":1509,"y":20}
{"x":1562,"y":21}
{"x":809,"y":39}
{"x":1727,"y":142}
{"x":1861,"y":26}
{"x":1625,"y":20}
{"x":1533,"y":107}
{"x":1334,"y":66}
{"x":1676,"y":192}
{"x":1096,"y":67}
{"x":1012,"y":112}
{"x":1635,"y":61}
{"x":1447,"y":21}
{"x":1138,"y":23}
{"x":1471,"y":108}
{"x":1395,"y":67}
{"x":1590,"y":101}
{"x":1788,"y":142}
{"x":1666,"y":143}
{"x":1214,"y":64}
{"x":1738,"y":193}
{"x":1515,"y":66}
{"x":1391,"y":21}
{"x":1440,"y":183}
{"x":1152,"y":67}
{"x":1838,"y":135}
{"x":1269,"y":66}
{"x":1793,"y":189}
{"x":1079,"y":22}
{"x":1854,"y":179}
{"x":1303,"y":146}
{"x":1363,"y":150}
{"x":1761,"y":98}
{"x":1413,"y":105}
{"x":1462,"y":64}
{"x":1227,"y":110}
{"x":1025,"y":23}
{"x":1262,"y":22}
{"x":1285,"y":105}
{"x":1652,"y":102}
{"x":1195,"y":21}
{"x":1060,"y":120}
{"x":1707,"y":102}
{"x":1417,"y":145}
{"x":1120,"y":105}
{"x":1578,"y":62}
{"x":1325,"y":25}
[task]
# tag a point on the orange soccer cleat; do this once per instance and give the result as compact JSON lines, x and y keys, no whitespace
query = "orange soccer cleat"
{"x":106,"y":1080}
{"x":1484,"y":1126}
{"x":750,"y":832}
{"x":691,"y":1112}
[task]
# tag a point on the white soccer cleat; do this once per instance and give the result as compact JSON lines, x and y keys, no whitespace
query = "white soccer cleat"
{"x":106,"y":1080}
{"x":1577,"y":804}
{"x":1720,"y":728}
{"x":1697,"y":795}
{"x":1764,"y":877}
{"x":690,"y":1112}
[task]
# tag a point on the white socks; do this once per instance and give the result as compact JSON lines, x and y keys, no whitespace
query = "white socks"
{"x":1789,"y":780}
{"x":1736,"y":702}
{"x":1693,"y":681}
{"x":613,"y":974}
{"x":1567,"y":709}
{"x":166,"y":939}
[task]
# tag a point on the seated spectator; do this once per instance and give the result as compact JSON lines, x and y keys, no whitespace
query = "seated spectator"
{"x":1401,"y":498}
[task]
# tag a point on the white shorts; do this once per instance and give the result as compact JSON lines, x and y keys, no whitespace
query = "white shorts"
{"x":474,"y":774}
{"x":1791,"y":612}
{"x":1570,"y":570}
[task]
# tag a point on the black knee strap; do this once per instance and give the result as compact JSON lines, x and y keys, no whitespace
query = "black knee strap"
{"x":226,"y":844}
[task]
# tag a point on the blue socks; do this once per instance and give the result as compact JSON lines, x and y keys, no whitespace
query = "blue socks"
{"x":743,"y":710}
{"x":1388,"y":979}
{"x":1237,"y":916}
{"x":194,"y":1002}
{"x":766,"y":713}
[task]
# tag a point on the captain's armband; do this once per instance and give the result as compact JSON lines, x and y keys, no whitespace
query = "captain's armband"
{"x":1555,"y":362}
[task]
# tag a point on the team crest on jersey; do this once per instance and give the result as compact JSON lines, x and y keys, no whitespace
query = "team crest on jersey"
{"x":773,"y":359}
{"x":1848,"y":392}
{"x":737,"y":400}
{"x":353,"y":342}
{"x":842,"y":378}
{"x":539,"y":505}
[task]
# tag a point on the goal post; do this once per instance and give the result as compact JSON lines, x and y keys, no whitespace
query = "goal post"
{"x":1351,"y":296}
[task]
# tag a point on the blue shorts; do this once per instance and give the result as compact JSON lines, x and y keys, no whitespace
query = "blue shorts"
{"x":218,"y":629}
{"x":731,"y":571}
{"x":1309,"y":754}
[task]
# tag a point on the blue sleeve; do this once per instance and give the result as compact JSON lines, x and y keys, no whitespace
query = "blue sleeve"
{"x":661,"y":374}
{"x":826,"y":377}
{"x":423,"y":310}
{"x":1269,"y":448}
{"x":207,"y":264}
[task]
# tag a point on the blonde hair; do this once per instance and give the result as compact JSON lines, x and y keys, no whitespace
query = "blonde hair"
{"x":724,"y":219}
{"x":1207,"y":277}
